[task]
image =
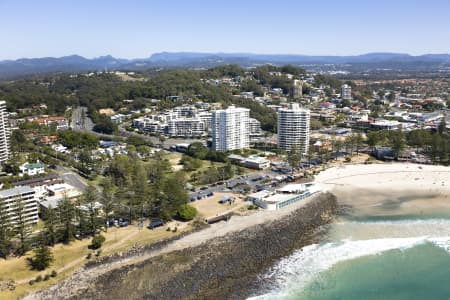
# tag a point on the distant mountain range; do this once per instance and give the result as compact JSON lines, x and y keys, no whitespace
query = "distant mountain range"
{"x":76,"y":63}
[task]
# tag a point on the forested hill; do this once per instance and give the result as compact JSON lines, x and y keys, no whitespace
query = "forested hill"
{"x":75,"y":63}
{"x":106,"y":90}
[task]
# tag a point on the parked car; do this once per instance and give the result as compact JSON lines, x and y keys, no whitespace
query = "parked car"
{"x":124,"y":223}
{"x":155,"y":223}
{"x":210,"y":194}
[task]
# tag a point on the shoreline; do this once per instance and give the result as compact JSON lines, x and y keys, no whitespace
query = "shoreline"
{"x":215,"y":262}
{"x":366,"y":190}
{"x":389,"y":190}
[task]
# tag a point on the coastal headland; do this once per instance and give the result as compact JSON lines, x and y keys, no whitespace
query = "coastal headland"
{"x":222,"y":261}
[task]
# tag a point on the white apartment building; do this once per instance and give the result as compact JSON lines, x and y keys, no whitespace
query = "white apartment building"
{"x":19,"y":201}
{"x":255,"y":131}
{"x":206,"y":117}
{"x":230,"y":129}
{"x":346,"y":92}
{"x":185,"y":111}
{"x":149,"y":125}
{"x":186,"y":127}
{"x":293,"y":128}
{"x":4,"y":133}
{"x":297,"y":89}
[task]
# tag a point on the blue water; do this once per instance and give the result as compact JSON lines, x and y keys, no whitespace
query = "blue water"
{"x":421,"y":272}
{"x":369,"y":258}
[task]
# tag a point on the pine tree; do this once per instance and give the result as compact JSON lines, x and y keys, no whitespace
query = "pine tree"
{"x":43,"y":256}
{"x":90,"y":196}
{"x":107,"y":198}
{"x":22,"y":228}
{"x":5,"y":233}
{"x":294,"y":157}
{"x":66,"y":215}
{"x":51,"y":225}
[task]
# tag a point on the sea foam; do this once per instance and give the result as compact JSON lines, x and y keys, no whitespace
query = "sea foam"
{"x":306,"y":264}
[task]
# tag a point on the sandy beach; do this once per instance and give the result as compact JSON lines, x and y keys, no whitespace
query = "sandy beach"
{"x":390,"y":189}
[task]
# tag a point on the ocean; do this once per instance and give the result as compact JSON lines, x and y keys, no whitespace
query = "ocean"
{"x":401,"y":257}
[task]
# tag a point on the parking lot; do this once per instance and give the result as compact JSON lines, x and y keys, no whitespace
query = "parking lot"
{"x":238,"y":185}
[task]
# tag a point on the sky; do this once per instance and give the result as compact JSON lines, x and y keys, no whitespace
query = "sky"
{"x":138,"y":28}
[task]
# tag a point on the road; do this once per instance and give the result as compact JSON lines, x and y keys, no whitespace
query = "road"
{"x":80,"y":121}
{"x":72,"y":178}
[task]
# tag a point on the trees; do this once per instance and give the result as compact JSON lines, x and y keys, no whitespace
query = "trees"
{"x":190,"y":163}
{"x":294,"y":157}
{"x":73,"y":139}
{"x":43,"y":256}
{"x":66,"y":211}
{"x":108,"y":197}
{"x":51,"y":226}
{"x":103,"y":124}
{"x":397,"y":140}
{"x":186,"y":212}
{"x":354,"y":140}
{"x":197,"y":150}
{"x":137,"y":141}
{"x":22,"y":228}
{"x":418,"y":138}
{"x":173,"y":195}
{"x":6,"y":233}
{"x":373,"y":138}
{"x":315,"y":124}
{"x":89,"y":198}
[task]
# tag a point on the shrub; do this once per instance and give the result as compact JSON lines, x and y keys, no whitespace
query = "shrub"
{"x":38,"y":278}
{"x":31,"y":282}
{"x":89,"y":256}
{"x":98,"y":253}
{"x":97,"y":242}
{"x":47,"y":277}
{"x":53,"y":274}
{"x":186,"y":212}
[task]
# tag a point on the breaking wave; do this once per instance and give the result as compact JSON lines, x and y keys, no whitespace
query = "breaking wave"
{"x":306,"y":264}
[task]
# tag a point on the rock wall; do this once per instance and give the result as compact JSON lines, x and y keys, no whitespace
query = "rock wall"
{"x":226,"y":268}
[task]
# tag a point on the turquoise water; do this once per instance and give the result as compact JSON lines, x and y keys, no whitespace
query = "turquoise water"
{"x":406,"y":257}
{"x":421,"y":272}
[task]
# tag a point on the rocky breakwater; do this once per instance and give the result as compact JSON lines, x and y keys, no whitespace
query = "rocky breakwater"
{"x":226,"y":267}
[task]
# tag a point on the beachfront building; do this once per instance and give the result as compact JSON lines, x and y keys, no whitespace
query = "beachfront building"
{"x":230,"y":129}
{"x":293,"y":128}
{"x":4,"y":133}
{"x":18,"y":204}
{"x":287,"y":195}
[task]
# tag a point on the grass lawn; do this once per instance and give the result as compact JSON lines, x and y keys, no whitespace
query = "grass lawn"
{"x":69,"y":258}
{"x":210,"y":206}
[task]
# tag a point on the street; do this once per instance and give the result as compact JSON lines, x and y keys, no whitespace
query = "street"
{"x":71,"y":178}
{"x":80,"y":121}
